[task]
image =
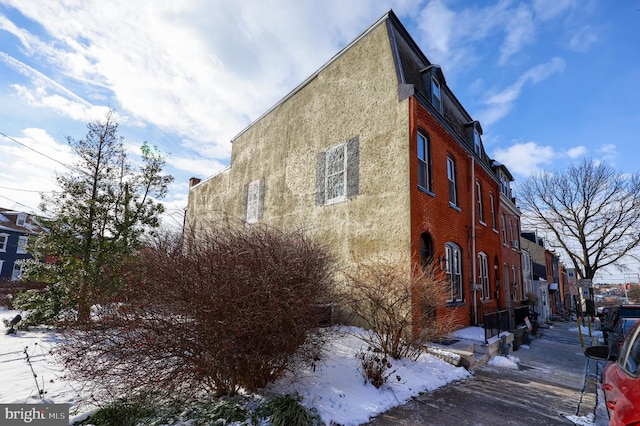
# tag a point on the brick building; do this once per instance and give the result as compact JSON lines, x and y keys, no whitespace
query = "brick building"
{"x":375,"y":154}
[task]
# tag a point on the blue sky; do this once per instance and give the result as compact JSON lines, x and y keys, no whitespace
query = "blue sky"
{"x":551,"y":81}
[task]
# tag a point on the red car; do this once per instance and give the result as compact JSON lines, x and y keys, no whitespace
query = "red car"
{"x":621,"y":378}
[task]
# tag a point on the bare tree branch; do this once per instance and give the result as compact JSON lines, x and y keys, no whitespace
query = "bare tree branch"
{"x":591,"y":210}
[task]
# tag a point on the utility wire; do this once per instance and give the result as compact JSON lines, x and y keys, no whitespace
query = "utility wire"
{"x":26,"y":190}
{"x":38,"y":152}
{"x":16,"y":202}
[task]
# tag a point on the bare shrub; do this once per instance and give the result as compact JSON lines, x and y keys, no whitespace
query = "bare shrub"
{"x":374,"y":367}
{"x":402,"y":308}
{"x":232,"y":308}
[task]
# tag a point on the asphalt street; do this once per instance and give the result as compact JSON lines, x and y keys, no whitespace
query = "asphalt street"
{"x":555,"y":384}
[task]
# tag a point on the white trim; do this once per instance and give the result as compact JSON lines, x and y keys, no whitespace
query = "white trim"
{"x":253,"y":201}
{"x":341,"y":195}
{"x":3,"y":246}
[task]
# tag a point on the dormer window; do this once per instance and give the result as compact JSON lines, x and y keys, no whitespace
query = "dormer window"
{"x":21,"y":219}
{"x":433,"y":81}
{"x":436,"y":95}
{"x":473,"y":133}
{"x":477,"y":147}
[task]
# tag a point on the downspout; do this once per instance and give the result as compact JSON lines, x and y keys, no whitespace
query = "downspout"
{"x":473,"y":241}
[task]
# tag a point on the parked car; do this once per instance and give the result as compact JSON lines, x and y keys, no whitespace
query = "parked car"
{"x":614,"y":315}
{"x":621,"y":378}
{"x":615,"y":337}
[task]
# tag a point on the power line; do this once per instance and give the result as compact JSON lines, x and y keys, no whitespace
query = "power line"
{"x":17,"y":202}
{"x":38,"y":152}
{"x":26,"y":190}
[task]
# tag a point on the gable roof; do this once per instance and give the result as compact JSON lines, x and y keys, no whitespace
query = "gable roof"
{"x":9,"y":219}
{"x":380,"y":21}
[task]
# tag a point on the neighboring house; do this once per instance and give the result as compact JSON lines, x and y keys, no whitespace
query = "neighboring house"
{"x":511,"y":292}
{"x":375,"y":155}
{"x":548,"y":280}
{"x":16,"y":229}
{"x":527,"y":272}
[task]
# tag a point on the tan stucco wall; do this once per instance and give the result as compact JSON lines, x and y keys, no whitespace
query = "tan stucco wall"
{"x":355,"y":95}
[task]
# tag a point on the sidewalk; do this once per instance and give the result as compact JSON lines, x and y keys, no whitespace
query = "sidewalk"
{"x":553,"y":384}
{"x":591,"y":401}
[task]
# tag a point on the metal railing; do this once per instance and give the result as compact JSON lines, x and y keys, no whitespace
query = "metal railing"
{"x":520,"y":314}
{"x":495,"y":323}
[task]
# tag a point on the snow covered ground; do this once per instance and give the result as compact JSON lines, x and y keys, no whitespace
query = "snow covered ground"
{"x":335,"y":388}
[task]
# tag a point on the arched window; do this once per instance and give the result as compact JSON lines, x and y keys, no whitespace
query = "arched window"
{"x":426,"y":249}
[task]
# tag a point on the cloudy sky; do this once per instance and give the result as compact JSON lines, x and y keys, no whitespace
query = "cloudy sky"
{"x":551,"y":81}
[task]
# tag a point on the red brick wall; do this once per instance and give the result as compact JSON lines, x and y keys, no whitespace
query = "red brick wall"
{"x":433,"y":214}
{"x":510,"y":257}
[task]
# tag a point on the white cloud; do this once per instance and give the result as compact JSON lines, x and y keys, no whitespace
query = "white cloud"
{"x":500,"y":104}
{"x":546,"y":10}
{"x":527,"y":158}
{"x":201,"y":69}
{"x":520,"y":31}
{"x":582,"y":39}
{"x":608,"y":153}
{"x":577,"y":152}
{"x":27,"y":170}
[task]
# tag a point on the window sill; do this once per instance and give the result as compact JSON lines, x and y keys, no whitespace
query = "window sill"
{"x":426,"y":191}
{"x":482,"y":222}
{"x":335,"y":200}
{"x":455,"y":207}
{"x":455,"y":304}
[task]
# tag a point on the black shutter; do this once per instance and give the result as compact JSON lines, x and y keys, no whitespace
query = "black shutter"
{"x":261,"y":199}
{"x":321,"y":159}
{"x":353,"y":167}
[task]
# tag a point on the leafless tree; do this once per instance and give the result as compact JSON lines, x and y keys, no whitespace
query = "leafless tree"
{"x":402,"y":308}
{"x":590,"y":210}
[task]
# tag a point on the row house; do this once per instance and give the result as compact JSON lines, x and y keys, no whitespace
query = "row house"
{"x":548,"y":278}
{"x":375,"y":154}
{"x":16,"y":228}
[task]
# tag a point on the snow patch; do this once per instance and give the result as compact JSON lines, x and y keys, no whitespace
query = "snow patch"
{"x":508,"y":361}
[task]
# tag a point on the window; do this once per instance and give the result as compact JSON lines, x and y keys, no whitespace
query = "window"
{"x":503,"y":222}
{"x":426,"y":250}
{"x":1,"y":262}
{"x":510,"y":231}
{"x":17,"y":270}
{"x":337,"y":173}
{"x":21,"y":219}
{"x":493,"y":210}
{"x":436,"y":94}
{"x":517,"y":290}
{"x":505,"y":185}
{"x":4,"y":239}
{"x":451,"y":174}
{"x":454,"y":272}
{"x":476,"y":142}
{"x":630,"y":353}
{"x":483,"y":276}
{"x":479,"y":200}
{"x":22,"y":244}
{"x":253,"y":201}
{"x":424,"y":162}
{"x":514,"y":284}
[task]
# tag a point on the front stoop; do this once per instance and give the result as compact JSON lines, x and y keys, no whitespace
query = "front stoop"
{"x":494,"y":348}
{"x":470,"y":353}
